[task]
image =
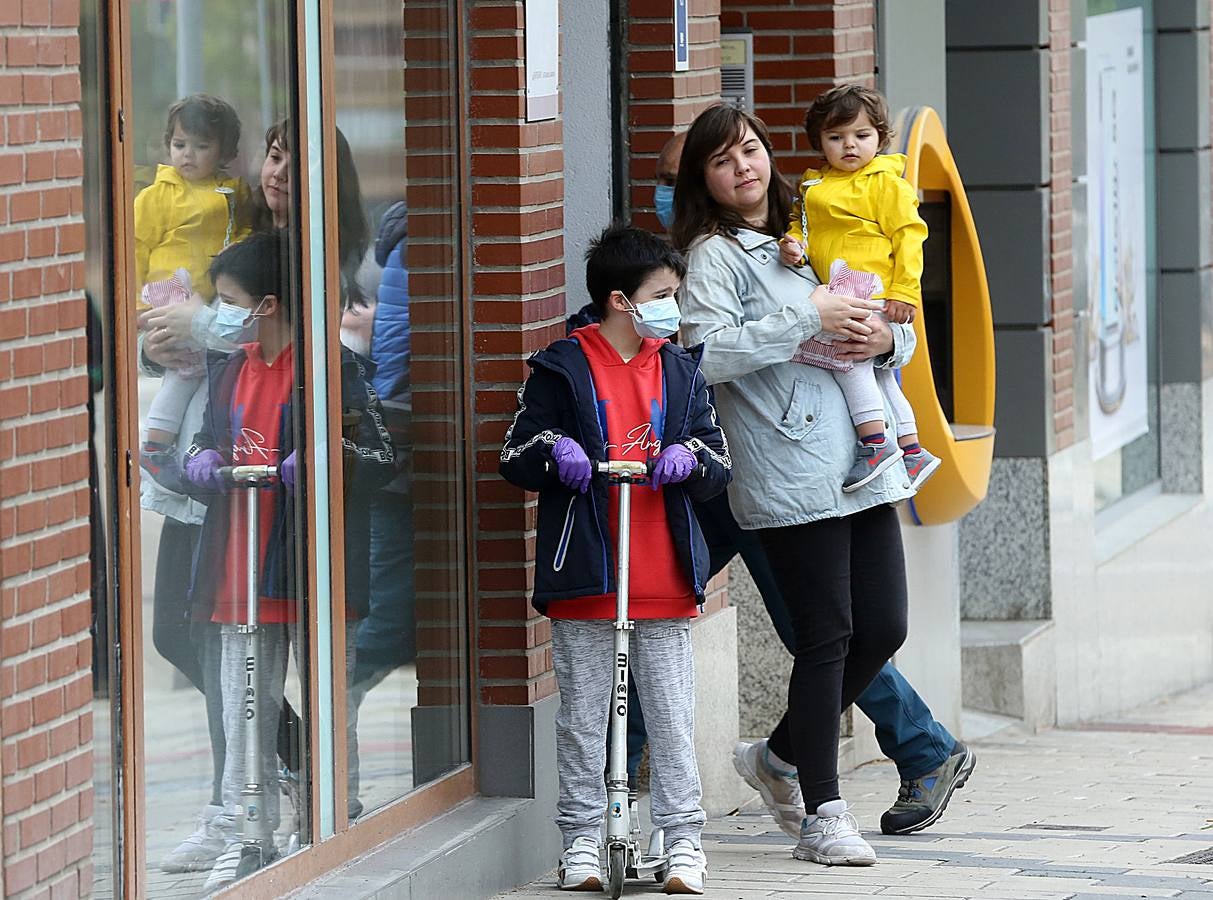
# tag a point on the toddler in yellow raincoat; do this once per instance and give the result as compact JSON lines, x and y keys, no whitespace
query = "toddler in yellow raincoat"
{"x":182,"y":220}
{"x":857,"y":224}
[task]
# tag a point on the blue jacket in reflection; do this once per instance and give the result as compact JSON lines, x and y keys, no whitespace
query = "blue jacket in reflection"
{"x":390,"y":341}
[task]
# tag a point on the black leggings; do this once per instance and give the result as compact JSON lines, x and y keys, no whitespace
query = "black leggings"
{"x":844,"y":581}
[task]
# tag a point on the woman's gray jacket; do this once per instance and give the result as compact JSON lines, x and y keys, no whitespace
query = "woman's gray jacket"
{"x":789,"y":430}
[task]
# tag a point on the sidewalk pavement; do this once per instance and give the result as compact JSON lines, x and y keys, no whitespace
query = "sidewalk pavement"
{"x":1116,"y":809}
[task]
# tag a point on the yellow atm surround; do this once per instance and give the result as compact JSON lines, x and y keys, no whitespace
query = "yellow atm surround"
{"x":966,"y":442}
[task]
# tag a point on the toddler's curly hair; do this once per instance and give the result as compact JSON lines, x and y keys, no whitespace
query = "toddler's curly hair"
{"x":209,"y":117}
{"x":841,"y":105}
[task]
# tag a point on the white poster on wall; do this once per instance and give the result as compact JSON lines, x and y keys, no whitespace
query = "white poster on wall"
{"x":1116,"y":218}
{"x":542,"y":60}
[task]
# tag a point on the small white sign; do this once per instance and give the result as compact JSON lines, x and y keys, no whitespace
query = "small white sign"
{"x":542,"y":60}
{"x":682,"y":41}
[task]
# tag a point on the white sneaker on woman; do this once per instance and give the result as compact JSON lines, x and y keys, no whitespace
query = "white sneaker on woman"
{"x":779,"y":788}
{"x":832,"y":838}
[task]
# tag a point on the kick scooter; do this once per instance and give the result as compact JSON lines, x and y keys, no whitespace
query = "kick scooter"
{"x":256,"y":830}
{"x":623,"y":838}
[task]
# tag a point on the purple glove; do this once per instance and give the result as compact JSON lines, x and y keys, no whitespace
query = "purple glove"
{"x":675,"y":464}
{"x":203,"y":470}
{"x":572,"y":465}
{"x":286,"y":471}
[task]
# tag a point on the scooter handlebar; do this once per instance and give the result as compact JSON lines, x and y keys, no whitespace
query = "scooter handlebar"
{"x":624,"y":467}
{"x":250,"y":475}
{"x":632,"y":468}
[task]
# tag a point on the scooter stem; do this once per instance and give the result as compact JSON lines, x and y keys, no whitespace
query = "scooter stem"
{"x":618,"y":827}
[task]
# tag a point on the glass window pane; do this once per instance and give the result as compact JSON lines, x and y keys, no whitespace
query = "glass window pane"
{"x":217,"y":266}
{"x":406,"y":628}
{"x":98,"y":258}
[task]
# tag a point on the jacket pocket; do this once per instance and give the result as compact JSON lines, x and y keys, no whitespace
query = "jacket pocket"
{"x":566,"y":536}
{"x":802,"y":411}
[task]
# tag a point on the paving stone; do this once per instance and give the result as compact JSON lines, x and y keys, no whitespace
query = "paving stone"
{"x":1021,"y":830}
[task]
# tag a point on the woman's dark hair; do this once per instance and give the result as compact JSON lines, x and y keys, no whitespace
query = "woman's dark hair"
{"x":259,"y":264}
{"x":208,"y":117}
{"x":621,"y":258}
{"x":353,"y":228}
{"x":278,"y":133}
{"x":841,"y":106}
{"x":696,"y":214}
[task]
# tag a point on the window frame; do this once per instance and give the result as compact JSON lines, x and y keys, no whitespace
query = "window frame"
{"x":334,"y":841}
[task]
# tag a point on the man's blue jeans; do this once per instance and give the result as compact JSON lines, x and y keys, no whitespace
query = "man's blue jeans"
{"x":907,"y":732}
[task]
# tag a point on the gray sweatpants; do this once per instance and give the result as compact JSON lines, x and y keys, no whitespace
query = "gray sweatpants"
{"x":664,"y":671}
{"x":276,"y":642}
{"x":862,"y":388}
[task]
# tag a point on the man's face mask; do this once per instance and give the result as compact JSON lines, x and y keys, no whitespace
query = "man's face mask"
{"x":663,"y":202}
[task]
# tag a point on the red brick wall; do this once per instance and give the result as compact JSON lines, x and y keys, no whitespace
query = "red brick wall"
{"x":800,"y":50}
{"x":518,"y":305}
{"x":660,"y":101}
{"x":45,"y":658}
{"x":1061,"y":215}
{"x":436,"y":362}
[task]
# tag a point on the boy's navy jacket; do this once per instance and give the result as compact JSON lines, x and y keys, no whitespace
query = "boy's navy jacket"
{"x":370,"y":453}
{"x":574,"y":556}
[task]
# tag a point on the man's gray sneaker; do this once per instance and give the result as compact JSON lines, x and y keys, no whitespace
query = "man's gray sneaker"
{"x":870,"y":461}
{"x":920,"y":801}
{"x":779,"y":788}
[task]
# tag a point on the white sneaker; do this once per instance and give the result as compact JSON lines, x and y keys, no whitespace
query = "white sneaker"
{"x":687,"y":869}
{"x":832,"y":838}
{"x":223,"y":872}
{"x":580,"y":867}
{"x":200,"y":850}
{"x":226,"y":866}
{"x":780,"y":789}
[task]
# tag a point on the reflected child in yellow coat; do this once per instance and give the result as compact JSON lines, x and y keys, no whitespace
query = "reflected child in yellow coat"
{"x":183,"y":219}
{"x":856,"y":223}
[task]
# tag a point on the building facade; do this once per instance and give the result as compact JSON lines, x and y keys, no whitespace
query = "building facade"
{"x":432,"y":171}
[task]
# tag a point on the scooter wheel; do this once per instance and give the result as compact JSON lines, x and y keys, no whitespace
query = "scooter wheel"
{"x":617,"y":858}
{"x":660,"y":874}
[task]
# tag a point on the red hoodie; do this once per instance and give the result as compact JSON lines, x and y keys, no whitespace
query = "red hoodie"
{"x":631,"y":411}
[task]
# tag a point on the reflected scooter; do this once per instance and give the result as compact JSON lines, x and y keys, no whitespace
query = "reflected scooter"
{"x":256,"y":830}
{"x":623,"y":834}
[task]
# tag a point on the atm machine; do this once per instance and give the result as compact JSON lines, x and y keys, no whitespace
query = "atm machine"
{"x":950,"y":380}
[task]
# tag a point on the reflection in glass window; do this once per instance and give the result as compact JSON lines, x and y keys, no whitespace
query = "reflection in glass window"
{"x":98,"y":260}
{"x":217,"y":288}
{"x":406,"y":611}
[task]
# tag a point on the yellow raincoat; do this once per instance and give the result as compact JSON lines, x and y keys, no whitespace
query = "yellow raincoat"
{"x":869,"y":219}
{"x":183,"y":224}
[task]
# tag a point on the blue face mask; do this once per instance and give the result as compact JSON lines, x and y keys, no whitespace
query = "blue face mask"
{"x":235,"y":323}
{"x":657,"y":318}
{"x":663,"y":201}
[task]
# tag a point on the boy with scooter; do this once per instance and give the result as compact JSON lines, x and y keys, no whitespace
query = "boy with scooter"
{"x":249,"y":425}
{"x":619,"y":391}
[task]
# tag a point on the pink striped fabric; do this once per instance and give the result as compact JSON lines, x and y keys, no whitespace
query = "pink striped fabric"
{"x":848,"y":283}
{"x":162,"y":293}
